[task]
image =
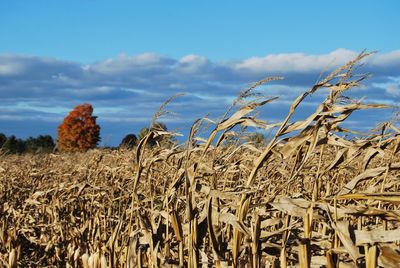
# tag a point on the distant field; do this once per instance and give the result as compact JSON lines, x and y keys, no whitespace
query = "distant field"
{"x":309,"y":197}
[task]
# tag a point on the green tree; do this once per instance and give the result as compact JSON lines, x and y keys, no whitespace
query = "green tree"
{"x":3,"y":139}
{"x":161,"y":140}
{"x":257,"y":139}
{"x":14,"y":145}
{"x":43,"y":143}
{"x":46,"y":142}
{"x":128,"y":141}
{"x":231,"y":138}
{"x":143,"y":132}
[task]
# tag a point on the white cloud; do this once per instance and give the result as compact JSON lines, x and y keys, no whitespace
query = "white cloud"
{"x":193,"y":59}
{"x":192,"y":64}
{"x":12,"y":65}
{"x":393,"y":90}
{"x":381,"y":59}
{"x":124,"y":63}
{"x":9,"y":68}
{"x":296,"y":62}
{"x":177,"y":86}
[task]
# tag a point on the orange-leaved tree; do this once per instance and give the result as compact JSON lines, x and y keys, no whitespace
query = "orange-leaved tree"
{"x":79,"y":131}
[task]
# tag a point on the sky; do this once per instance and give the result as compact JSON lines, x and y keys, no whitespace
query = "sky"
{"x":127,"y":57}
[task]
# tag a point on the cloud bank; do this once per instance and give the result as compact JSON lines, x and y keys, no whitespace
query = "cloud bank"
{"x":126,"y":90}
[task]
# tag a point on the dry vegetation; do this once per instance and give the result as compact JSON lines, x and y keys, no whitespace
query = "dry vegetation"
{"x":309,"y":198}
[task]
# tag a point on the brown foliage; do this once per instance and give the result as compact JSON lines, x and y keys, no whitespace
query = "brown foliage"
{"x":79,"y":131}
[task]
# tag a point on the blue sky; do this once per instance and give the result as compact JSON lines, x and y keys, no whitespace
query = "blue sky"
{"x":127,"y":57}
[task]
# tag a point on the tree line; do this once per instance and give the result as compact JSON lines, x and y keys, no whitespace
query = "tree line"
{"x":11,"y":144}
{"x":79,"y":132}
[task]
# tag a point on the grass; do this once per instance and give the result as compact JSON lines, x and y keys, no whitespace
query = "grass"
{"x":309,"y":198}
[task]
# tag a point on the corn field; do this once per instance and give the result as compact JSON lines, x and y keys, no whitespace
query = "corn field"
{"x":311,"y":197}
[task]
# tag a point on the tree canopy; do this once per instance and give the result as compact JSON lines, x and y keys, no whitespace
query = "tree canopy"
{"x":128,"y":141}
{"x":79,"y":131}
